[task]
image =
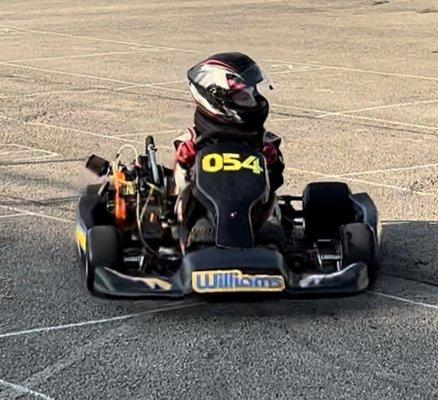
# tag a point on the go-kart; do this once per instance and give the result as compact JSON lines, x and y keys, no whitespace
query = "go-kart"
{"x":224,"y":234}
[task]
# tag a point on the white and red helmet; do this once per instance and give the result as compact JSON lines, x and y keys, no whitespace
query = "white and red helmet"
{"x":226,"y":87}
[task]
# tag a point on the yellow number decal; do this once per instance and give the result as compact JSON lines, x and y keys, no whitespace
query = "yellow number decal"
{"x":253,"y":163}
{"x":212,"y":162}
{"x":215,"y":162}
{"x":231,"y":162}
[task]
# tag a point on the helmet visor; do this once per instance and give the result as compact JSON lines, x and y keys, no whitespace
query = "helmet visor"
{"x":218,"y":74}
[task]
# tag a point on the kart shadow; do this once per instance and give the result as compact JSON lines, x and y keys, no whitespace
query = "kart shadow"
{"x":409,"y":250}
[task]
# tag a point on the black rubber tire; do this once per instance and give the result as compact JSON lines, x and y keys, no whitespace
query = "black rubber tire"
{"x":358,"y":245}
{"x":326,"y":206}
{"x":104,"y":249}
{"x":271,"y":233}
{"x":92,"y":189}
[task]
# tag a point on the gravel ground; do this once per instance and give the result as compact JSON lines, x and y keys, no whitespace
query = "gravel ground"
{"x":355,"y":99}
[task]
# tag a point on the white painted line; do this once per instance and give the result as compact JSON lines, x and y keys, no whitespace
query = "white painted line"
{"x":344,"y":178}
{"x":329,"y":113}
{"x":23,"y":390}
{"x":288,"y":71}
{"x":12,"y":215}
{"x":90,"y":55}
{"x":28,"y":150}
{"x":90,"y":133}
{"x":104,"y":40}
{"x":99,"y":321}
{"x":395,"y":105}
{"x":386,"y":121}
{"x":5,"y":153}
{"x":167,"y":88}
{"x":36,"y":214}
{"x":34,"y":158}
{"x":19,"y":96}
{"x":169,"y":82}
{"x":102,"y":89}
{"x":300,"y":108}
{"x":53,"y":71}
{"x":375,"y":171}
{"x":101,"y":78}
{"x":150,"y":133}
{"x":404,"y":300}
{"x":28,"y":147}
{"x":433,"y":78}
{"x":154,"y":86}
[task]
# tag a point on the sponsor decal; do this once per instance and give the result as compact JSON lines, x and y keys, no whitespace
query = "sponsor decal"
{"x":215,"y":162}
{"x":151,"y":283}
{"x":217,"y":281}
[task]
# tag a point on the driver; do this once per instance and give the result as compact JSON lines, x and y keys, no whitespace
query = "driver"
{"x":226,"y":88}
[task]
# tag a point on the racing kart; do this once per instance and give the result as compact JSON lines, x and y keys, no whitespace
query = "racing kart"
{"x":225,"y":233}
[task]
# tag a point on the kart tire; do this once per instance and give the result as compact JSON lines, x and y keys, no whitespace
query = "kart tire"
{"x":92,"y":190}
{"x":271,"y":234}
{"x":358,"y":245}
{"x":104,"y":249}
{"x":326,"y":206}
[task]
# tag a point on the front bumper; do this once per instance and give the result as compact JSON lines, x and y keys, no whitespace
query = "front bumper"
{"x":231,"y":272}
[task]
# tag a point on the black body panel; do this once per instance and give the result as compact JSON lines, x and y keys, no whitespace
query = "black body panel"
{"x":231,"y":194}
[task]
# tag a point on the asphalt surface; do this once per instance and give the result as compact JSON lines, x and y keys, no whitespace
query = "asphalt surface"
{"x":355,"y":99}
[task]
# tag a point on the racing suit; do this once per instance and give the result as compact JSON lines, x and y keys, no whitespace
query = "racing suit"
{"x":187,"y":144}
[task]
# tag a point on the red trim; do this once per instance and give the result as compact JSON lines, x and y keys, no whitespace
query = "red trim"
{"x":192,"y":133}
{"x":212,"y":61}
{"x":235,"y":85}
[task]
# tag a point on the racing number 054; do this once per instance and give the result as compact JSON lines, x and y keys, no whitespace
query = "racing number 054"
{"x":215,"y":162}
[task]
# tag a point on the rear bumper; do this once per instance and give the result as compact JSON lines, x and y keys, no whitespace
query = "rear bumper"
{"x":231,"y":272}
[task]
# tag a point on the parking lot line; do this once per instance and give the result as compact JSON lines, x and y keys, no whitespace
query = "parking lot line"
{"x":90,"y":55}
{"x":23,"y":390}
{"x":386,"y":121}
{"x":369,"y":71}
{"x":348,"y":112}
{"x":148,"y":133}
{"x":82,"y":131}
{"x":315,"y":110}
{"x":19,"y":96}
{"x":36,"y":214}
{"x":96,"y":39}
{"x":288,"y":71}
{"x":12,"y":215}
{"x":5,"y":153}
{"x":168,"y":307}
{"x":35,"y":158}
{"x":404,"y":300}
{"x":346,"y":178}
{"x":96,"y":77}
{"x":376,"y":171}
{"x":53,"y":71}
{"x":90,"y":133}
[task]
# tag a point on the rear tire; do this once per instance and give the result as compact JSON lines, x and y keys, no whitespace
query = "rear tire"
{"x":358,"y":245}
{"x":326,"y":206}
{"x":104,"y":249}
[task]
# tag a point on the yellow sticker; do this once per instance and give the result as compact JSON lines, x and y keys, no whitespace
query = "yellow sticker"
{"x":81,"y":238}
{"x":215,"y":162}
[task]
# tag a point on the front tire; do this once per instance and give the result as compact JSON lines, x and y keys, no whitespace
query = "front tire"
{"x":326,"y":206}
{"x":104,"y":249}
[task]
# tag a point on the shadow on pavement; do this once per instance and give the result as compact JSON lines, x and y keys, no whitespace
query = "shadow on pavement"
{"x":409,"y":249}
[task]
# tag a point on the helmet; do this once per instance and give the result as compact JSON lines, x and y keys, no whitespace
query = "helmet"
{"x":226,"y":88}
